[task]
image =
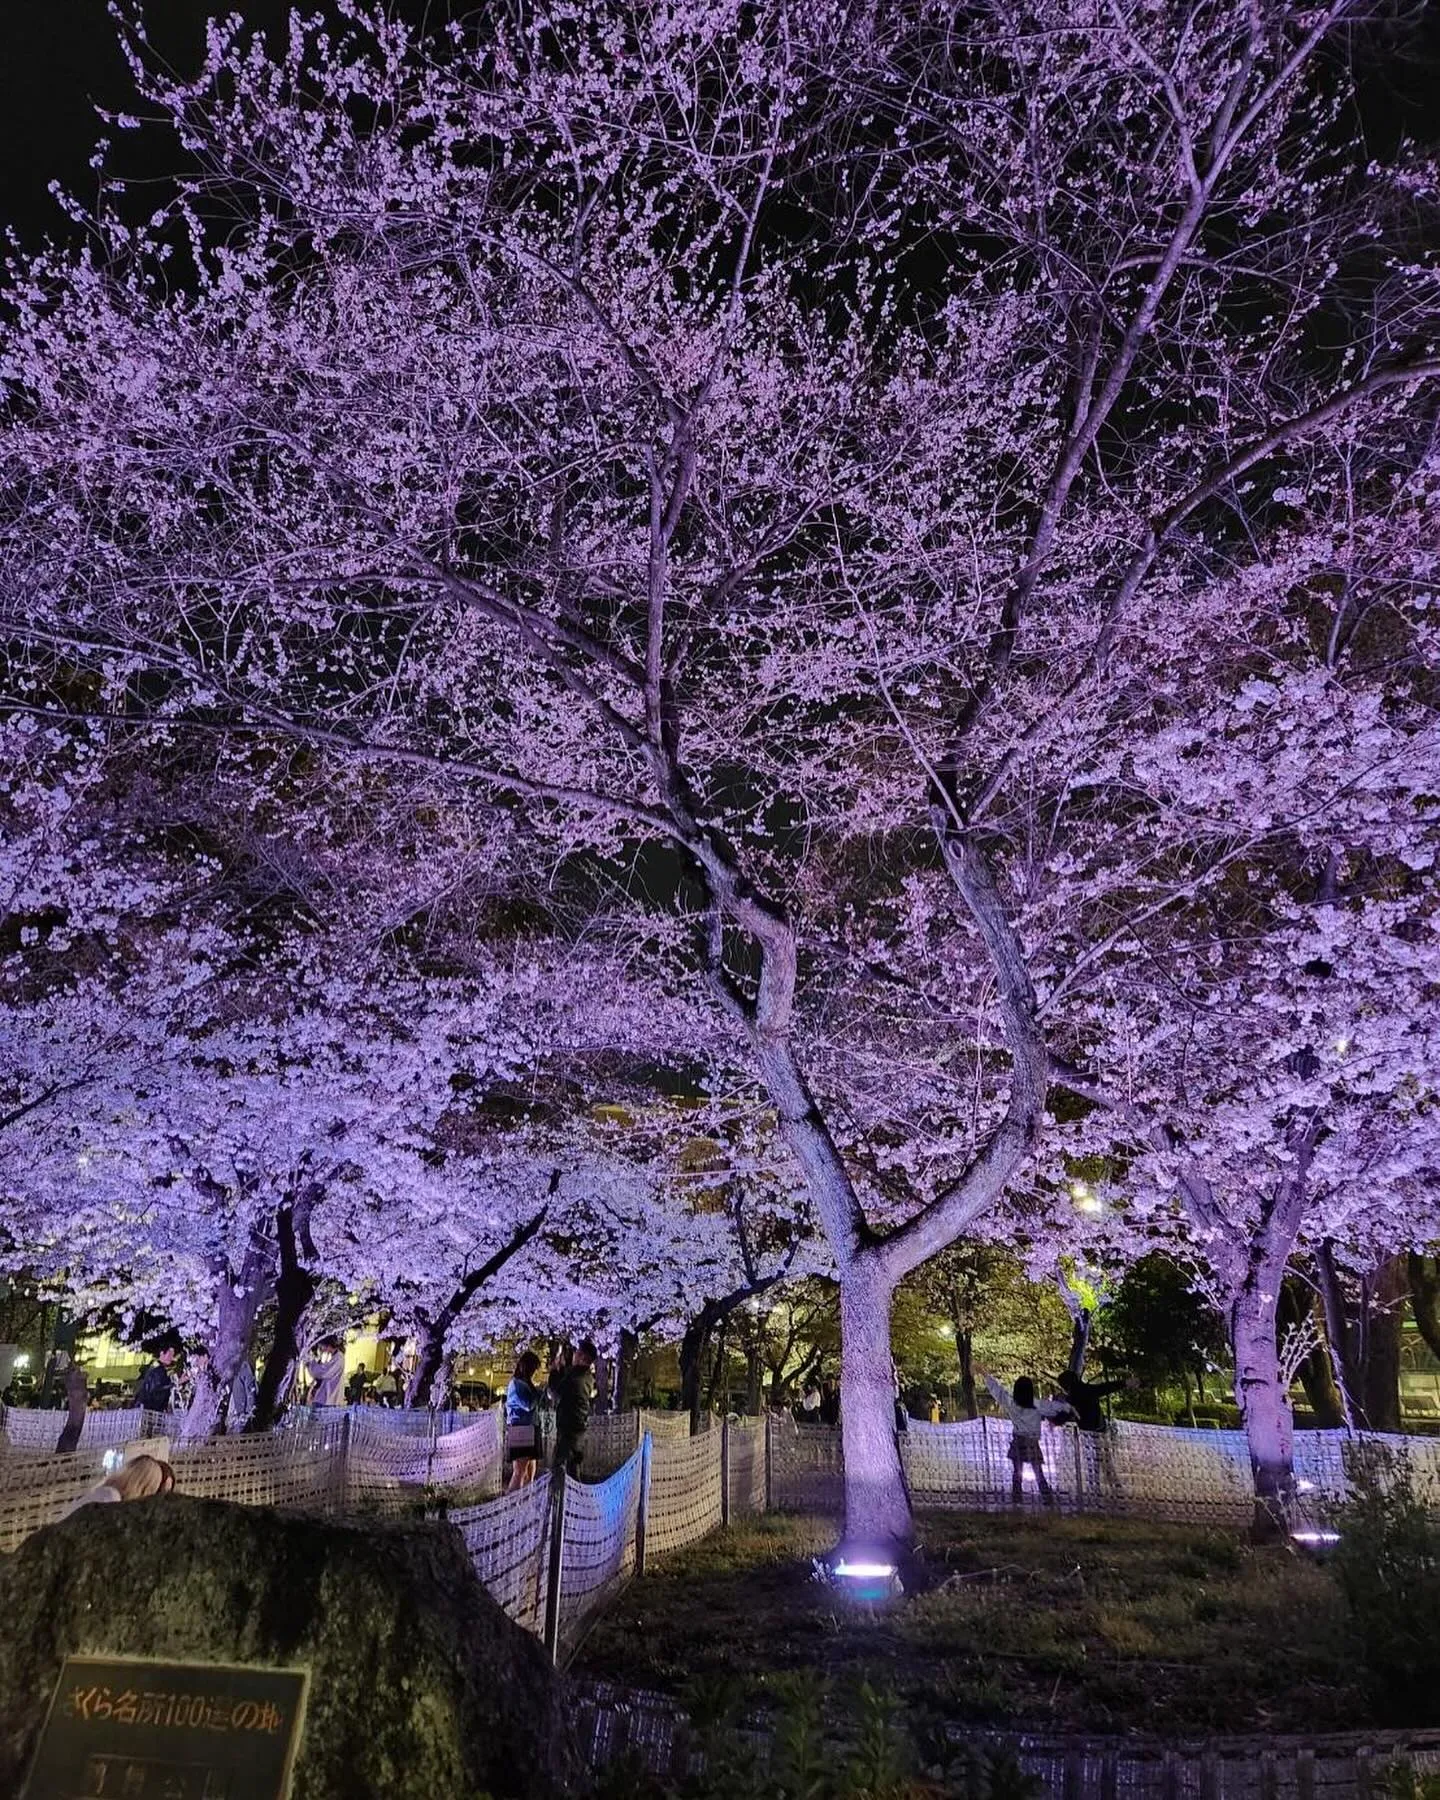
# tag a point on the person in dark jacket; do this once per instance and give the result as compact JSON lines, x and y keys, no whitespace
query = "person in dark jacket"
{"x":1085,"y":1397}
{"x":573,"y":1386}
{"x":156,"y":1387}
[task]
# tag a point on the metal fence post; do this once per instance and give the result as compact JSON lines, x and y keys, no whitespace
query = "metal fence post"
{"x":725,"y":1471}
{"x":769,"y":1465}
{"x":1078,"y":1437}
{"x":341,"y":1497}
{"x":642,"y":1511}
{"x":551,"y":1637}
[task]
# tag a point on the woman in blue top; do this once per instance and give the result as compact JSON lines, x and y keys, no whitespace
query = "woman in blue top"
{"x":522,"y":1422}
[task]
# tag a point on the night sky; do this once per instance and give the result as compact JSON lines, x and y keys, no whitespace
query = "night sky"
{"x":58,"y":59}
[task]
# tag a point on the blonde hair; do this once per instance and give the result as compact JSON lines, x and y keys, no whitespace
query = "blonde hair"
{"x":141,"y":1477}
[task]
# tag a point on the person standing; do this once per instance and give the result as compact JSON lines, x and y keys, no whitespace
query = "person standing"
{"x":1027,"y":1415}
{"x":522,"y":1422}
{"x":355,"y":1386}
{"x":1085,"y":1397}
{"x":573,"y":1386}
{"x":327,"y":1373}
{"x":155,"y":1391}
{"x":77,"y":1399}
{"x":830,"y":1403}
{"x":810,"y":1405}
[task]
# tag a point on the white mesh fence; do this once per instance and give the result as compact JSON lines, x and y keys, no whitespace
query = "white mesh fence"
{"x":663,"y":1426}
{"x":36,"y":1489}
{"x":611,"y":1439}
{"x":599,"y":1538}
{"x":509,"y":1544}
{"x":469,"y":1457}
{"x":30,"y":1429}
{"x":356,"y":1460}
{"x":747,"y":1467}
{"x":304,"y":1470}
{"x":807,"y":1473}
{"x":398,"y":1421}
{"x":684,"y":1501}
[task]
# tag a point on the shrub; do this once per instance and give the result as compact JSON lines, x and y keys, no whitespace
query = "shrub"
{"x":1387,"y":1563}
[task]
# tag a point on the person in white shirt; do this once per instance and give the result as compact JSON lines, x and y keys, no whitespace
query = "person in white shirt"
{"x":1026,"y":1415}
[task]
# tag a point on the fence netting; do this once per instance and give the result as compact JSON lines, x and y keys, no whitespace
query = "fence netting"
{"x":600,"y":1527}
{"x":509,"y":1544}
{"x":747,"y":1467}
{"x":685,"y":1503}
{"x":26,"y":1428}
{"x":650,"y":1489}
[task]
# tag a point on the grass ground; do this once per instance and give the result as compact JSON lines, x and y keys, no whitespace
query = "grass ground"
{"x":1093,"y":1625}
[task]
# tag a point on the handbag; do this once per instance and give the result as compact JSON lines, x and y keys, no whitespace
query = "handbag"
{"x":519,"y":1437}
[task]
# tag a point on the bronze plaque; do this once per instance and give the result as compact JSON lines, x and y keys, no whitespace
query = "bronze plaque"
{"x":128,"y":1729}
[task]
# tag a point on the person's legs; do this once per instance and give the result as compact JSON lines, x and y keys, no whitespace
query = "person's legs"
{"x":1016,"y":1490}
{"x":1047,"y":1493}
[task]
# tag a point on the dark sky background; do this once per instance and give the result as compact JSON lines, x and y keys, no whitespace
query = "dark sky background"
{"x":58,"y":59}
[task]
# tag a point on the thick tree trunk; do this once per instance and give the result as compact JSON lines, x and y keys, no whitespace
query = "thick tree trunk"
{"x":1365,"y":1340}
{"x":294,"y":1290}
{"x":1424,"y":1274}
{"x":77,"y":1401}
{"x":1385,"y":1292}
{"x":719,"y":1389}
{"x":238,"y":1306}
{"x":965,"y":1350}
{"x":877,"y":1504}
{"x":754,"y":1378}
{"x":625,"y":1359}
{"x":692,"y":1362}
{"x":1264,"y":1405}
{"x":1340,"y":1338}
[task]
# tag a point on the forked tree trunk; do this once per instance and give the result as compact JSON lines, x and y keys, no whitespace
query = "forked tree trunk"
{"x":1264,"y":1405}
{"x":240,"y":1300}
{"x":436,"y":1331}
{"x":877,"y":1503}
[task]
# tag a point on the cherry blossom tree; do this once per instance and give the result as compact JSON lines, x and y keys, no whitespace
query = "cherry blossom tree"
{"x":769,"y":455}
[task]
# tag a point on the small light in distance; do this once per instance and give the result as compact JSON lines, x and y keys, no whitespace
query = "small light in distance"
{"x":1316,"y":1537}
{"x":865,"y":1571}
